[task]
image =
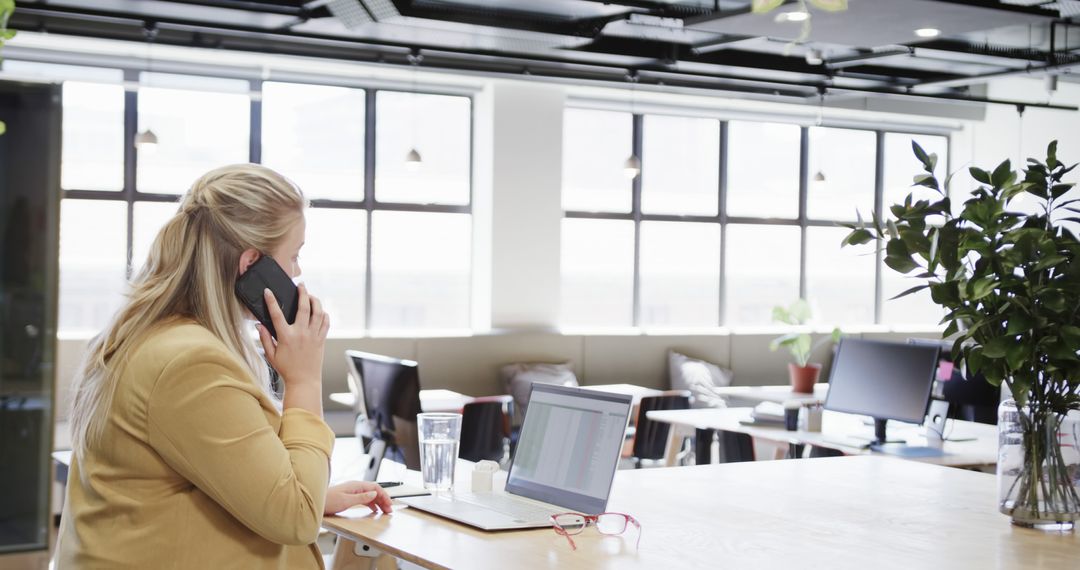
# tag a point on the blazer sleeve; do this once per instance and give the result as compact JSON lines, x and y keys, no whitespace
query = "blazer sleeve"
{"x":206,"y":420}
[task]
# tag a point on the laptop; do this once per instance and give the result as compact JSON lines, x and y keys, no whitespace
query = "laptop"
{"x":565,"y":461}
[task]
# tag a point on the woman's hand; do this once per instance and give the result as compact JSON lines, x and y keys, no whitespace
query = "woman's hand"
{"x":352,"y":493}
{"x":297,"y":354}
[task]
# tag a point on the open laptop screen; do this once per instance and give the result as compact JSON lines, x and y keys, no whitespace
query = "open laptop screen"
{"x":569,"y":447}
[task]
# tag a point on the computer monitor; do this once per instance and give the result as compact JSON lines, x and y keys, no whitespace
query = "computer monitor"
{"x":970,"y":396}
{"x":389,"y":399}
{"x":884,"y":380}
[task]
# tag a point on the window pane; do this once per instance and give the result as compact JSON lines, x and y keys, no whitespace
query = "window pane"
{"x":93,"y":139}
{"x":439,"y":128}
{"x":680,"y":274}
{"x":762,"y":271}
{"x":93,"y":240}
{"x":196,"y":130}
{"x":148,"y":219}
{"x":420,"y":270}
{"x":332,"y":264}
{"x":314,"y":134}
{"x":847,"y":159}
{"x":839,"y":280}
{"x":681,"y":166}
{"x":915,"y":309}
{"x":597,"y":272}
{"x":763,"y":170}
{"x":901,"y":166}
{"x":596,"y":144}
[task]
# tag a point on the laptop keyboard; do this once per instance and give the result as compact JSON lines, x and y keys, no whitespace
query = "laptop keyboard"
{"x":502,"y":503}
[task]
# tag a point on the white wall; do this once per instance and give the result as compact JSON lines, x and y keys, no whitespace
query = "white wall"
{"x":526,"y":186}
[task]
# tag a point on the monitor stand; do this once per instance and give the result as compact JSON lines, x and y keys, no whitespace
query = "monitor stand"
{"x":899,"y":447}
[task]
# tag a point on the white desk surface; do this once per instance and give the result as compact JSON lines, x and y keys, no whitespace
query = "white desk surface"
{"x":837,"y":429}
{"x":779,"y":394}
{"x":839,"y":513}
{"x":435,"y":400}
{"x":633,"y":390}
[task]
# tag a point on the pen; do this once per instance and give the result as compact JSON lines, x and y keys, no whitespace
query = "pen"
{"x":387,"y":484}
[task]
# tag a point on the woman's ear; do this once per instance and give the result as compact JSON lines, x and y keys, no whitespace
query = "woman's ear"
{"x":248,"y":257}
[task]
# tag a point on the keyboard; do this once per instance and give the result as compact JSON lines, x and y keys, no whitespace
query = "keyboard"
{"x":509,"y":506}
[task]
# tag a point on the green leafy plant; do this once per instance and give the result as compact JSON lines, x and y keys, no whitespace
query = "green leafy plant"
{"x":7,"y":7}
{"x":1009,"y":280}
{"x":798,"y":343}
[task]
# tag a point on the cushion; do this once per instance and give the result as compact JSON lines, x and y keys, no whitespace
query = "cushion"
{"x":517,"y":379}
{"x":701,"y":378}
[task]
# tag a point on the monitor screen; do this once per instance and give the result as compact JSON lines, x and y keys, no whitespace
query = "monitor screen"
{"x":885,"y":380}
{"x":569,"y":447}
{"x":389,"y":386}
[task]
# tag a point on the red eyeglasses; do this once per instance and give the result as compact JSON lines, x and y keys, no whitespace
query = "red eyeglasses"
{"x":568,"y":524}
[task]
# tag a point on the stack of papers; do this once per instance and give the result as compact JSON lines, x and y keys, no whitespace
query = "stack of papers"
{"x":768,"y":412}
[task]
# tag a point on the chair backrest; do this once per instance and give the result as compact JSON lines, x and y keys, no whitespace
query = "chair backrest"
{"x":650,"y":437}
{"x":482,"y":431}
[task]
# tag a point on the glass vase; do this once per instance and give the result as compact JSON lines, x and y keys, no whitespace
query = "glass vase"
{"x":1038,"y":468}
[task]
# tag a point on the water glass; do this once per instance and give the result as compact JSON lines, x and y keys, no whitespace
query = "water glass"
{"x":439,"y":438}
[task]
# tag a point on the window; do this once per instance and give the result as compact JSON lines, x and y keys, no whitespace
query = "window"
{"x":680,"y":274}
{"x":93,"y":139}
{"x":197,"y":129}
{"x":385,"y":252}
{"x":842,"y":171}
{"x":763,"y":170}
{"x":315,"y":134}
{"x":598,"y":273}
{"x":93,"y":239}
{"x":680,"y":166}
{"x":437,"y":127}
{"x":721,"y":240}
{"x":596,"y":145}
{"x":762,"y":271}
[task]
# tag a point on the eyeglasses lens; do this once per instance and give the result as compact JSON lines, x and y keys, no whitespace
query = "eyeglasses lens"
{"x":609,"y":523}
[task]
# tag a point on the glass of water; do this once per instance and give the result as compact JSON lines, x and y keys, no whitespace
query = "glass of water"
{"x":439,"y":437}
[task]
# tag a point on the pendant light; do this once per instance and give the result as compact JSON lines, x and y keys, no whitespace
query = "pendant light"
{"x":413,"y":160}
{"x":146,"y":142}
{"x":819,"y":176}
{"x":632,"y":166}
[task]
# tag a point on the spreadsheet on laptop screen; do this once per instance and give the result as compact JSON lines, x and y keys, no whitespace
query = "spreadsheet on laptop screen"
{"x":570,"y":442}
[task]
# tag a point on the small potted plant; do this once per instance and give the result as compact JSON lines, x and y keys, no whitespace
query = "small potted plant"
{"x":802,"y":372}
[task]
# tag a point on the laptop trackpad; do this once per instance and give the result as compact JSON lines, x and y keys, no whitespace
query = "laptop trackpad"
{"x":448,"y":507}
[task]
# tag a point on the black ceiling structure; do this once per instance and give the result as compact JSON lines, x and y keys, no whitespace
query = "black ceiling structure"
{"x":870,"y":49}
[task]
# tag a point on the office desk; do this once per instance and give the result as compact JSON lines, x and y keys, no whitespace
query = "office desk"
{"x":836,"y":513}
{"x":435,"y":400}
{"x":779,"y":394}
{"x":633,"y":390}
{"x":838,"y":428}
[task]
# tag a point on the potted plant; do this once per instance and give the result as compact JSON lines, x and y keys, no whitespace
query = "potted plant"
{"x":802,"y":372}
{"x":1009,"y":279}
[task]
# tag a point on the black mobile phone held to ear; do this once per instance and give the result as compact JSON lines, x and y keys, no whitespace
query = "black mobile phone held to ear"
{"x":267,"y":274}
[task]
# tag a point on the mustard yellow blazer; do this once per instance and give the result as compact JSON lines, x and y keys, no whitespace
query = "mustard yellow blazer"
{"x":197,"y":468}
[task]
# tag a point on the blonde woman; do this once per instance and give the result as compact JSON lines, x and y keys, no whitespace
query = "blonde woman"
{"x":181,"y":457}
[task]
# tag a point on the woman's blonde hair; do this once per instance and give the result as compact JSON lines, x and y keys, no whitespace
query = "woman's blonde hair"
{"x":190,"y":273}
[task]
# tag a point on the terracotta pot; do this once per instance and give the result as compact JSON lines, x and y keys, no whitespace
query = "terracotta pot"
{"x":803,"y":378}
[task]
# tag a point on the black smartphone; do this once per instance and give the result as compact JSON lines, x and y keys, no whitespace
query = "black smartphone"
{"x":267,"y":274}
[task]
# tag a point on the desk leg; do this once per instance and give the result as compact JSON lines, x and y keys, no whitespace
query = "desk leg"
{"x":352,"y":555}
{"x":703,"y":439}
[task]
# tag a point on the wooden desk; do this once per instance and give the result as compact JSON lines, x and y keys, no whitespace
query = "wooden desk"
{"x":837,"y":429}
{"x":436,"y":400}
{"x":837,"y":513}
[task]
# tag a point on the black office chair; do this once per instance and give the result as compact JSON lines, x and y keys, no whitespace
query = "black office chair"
{"x":651,"y":437}
{"x":483,"y":431}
